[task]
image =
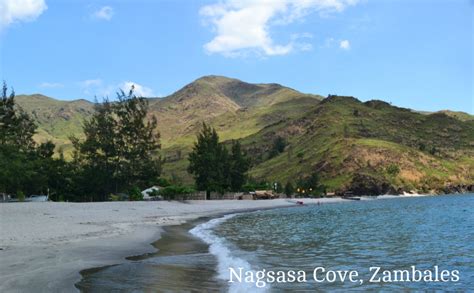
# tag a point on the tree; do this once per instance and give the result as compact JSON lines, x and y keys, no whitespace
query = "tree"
{"x":208,"y":162}
{"x":98,"y":153}
{"x":310,"y":185}
{"x":289,"y":189}
{"x":27,"y":168}
{"x":139,"y":142}
{"x":16,"y":126}
{"x":239,"y":165}
{"x":120,"y":149}
{"x":213,"y":167}
{"x":278,"y":146}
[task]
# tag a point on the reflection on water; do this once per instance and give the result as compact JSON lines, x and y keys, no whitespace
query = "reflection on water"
{"x":392,"y":234}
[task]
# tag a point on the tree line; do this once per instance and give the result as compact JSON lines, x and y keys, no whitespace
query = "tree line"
{"x":119,"y":153}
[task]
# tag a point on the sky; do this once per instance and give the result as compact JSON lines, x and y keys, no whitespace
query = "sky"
{"x":416,"y":54}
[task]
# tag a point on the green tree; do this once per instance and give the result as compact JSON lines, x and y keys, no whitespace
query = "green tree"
{"x":289,"y":189}
{"x":139,"y":142}
{"x":98,"y":154}
{"x":208,"y":162}
{"x":16,"y":126}
{"x":278,"y":146}
{"x":239,"y":165}
{"x":120,"y":149}
{"x":310,"y":185}
{"x":28,"y":168}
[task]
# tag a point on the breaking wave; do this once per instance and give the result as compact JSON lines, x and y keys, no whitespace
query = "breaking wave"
{"x":219,"y":247}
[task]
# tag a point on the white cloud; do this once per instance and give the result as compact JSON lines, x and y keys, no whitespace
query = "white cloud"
{"x":12,"y":11}
{"x":98,"y":87}
{"x":345,"y":45}
{"x":51,"y":85}
{"x":91,"y":82}
{"x":104,"y":13}
{"x":243,"y":26}
{"x":138,"y":90}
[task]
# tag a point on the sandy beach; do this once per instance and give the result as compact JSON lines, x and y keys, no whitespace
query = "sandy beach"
{"x":44,"y":246}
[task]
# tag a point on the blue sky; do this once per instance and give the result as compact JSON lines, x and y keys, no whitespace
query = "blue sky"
{"x":416,"y":54}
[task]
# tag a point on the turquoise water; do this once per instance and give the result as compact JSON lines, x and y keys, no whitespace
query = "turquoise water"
{"x":393,"y":234}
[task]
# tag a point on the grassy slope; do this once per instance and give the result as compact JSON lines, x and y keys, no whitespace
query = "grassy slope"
{"x":235,"y":108}
{"x":338,"y":137}
{"x":57,"y":120}
{"x":338,"y":144}
{"x":463,"y":116}
{"x":235,"y":126}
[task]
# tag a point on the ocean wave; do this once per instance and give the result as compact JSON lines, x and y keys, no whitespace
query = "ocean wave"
{"x":219,"y":247}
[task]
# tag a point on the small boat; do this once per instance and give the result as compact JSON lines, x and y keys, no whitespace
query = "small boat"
{"x":351,"y":197}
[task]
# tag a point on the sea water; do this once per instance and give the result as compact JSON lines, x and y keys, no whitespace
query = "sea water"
{"x":401,"y":237}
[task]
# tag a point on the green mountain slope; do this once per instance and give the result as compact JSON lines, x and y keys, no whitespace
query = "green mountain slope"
{"x":56,"y":120}
{"x":349,"y":143}
{"x":235,"y":108}
{"x":463,"y":116}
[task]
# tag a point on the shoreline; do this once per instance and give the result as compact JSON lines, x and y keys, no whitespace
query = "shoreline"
{"x":45,"y":248}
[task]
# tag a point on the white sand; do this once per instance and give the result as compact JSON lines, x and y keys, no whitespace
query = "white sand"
{"x":45,"y":245}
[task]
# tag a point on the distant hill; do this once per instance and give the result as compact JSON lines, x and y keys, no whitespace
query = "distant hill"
{"x":348,"y":142}
{"x":57,"y":120}
{"x":463,"y":116}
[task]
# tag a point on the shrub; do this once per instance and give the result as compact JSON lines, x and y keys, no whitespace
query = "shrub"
{"x":135,"y":194}
{"x":253,"y":185}
{"x":393,"y":169}
{"x":174,"y":191}
{"x":278,"y":146}
{"x":114,"y":197}
{"x":21,"y":196}
{"x":289,"y":189}
{"x":154,"y":193}
{"x":163,"y":182}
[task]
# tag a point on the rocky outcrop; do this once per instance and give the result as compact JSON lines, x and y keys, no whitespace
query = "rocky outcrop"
{"x":460,"y":188}
{"x":367,"y":185}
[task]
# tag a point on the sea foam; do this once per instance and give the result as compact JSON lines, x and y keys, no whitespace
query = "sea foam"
{"x":219,"y":247}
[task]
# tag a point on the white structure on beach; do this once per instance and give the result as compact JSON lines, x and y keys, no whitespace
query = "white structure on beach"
{"x":146,"y":192}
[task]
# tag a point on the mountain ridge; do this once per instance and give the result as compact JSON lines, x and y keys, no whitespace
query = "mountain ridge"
{"x":339,"y":137}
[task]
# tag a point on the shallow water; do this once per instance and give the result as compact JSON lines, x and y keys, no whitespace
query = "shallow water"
{"x":393,"y":234}
{"x":181,"y":264}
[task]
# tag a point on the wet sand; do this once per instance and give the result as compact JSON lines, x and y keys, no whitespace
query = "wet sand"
{"x":181,"y":263}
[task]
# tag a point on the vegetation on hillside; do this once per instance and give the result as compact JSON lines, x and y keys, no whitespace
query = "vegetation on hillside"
{"x":347,"y":141}
{"x":370,"y":147}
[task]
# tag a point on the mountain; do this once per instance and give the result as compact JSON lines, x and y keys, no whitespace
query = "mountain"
{"x":234,"y":107}
{"x":352,"y":144}
{"x":57,"y":120}
{"x":369,"y":147}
